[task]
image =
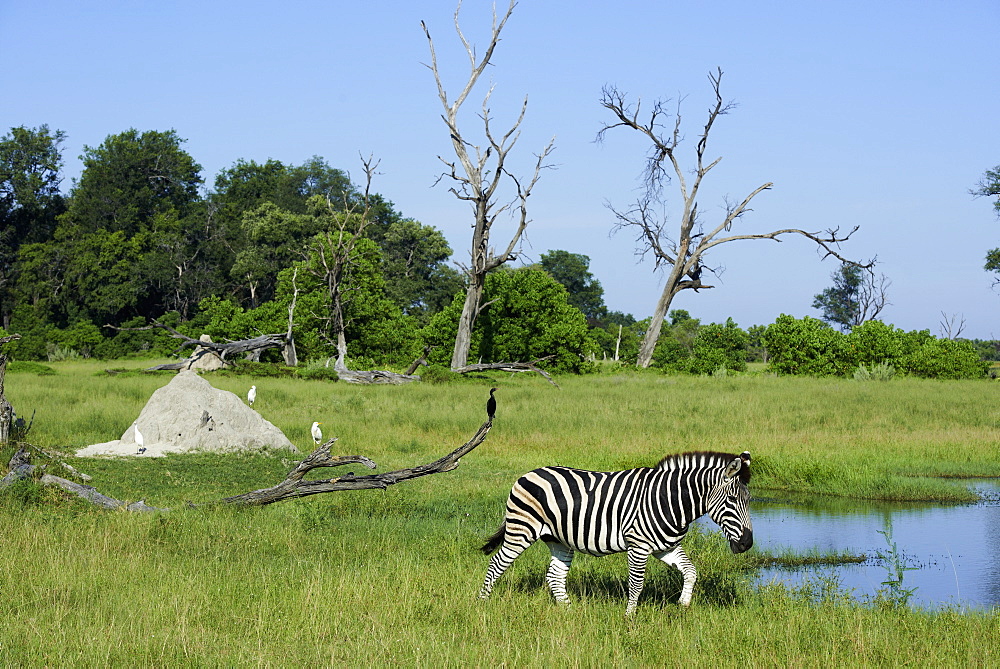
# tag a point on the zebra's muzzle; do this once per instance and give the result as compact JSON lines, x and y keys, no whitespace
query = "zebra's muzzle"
{"x":743,"y":543}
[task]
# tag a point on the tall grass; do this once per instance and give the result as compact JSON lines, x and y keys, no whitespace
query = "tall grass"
{"x":830,"y":436}
{"x":379,"y":577}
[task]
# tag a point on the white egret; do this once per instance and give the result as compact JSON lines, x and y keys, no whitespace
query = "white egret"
{"x":252,"y":395}
{"x":317,"y":433}
{"x":140,"y":442}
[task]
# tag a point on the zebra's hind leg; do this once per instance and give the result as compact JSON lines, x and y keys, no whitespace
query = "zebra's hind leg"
{"x":636,"y":576}
{"x":678,"y":558}
{"x":513,"y":546}
{"x":555,"y":576}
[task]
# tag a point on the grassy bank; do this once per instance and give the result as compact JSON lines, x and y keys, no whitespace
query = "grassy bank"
{"x":379,"y":577}
{"x":822,"y":436}
{"x":373,"y":579}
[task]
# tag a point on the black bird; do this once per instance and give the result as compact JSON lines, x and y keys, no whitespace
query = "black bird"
{"x":491,"y":405}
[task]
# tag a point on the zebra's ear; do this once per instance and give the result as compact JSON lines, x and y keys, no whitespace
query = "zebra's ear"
{"x":734,"y":467}
{"x":745,"y":457}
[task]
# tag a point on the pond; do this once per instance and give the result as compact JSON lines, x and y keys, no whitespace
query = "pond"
{"x":955,"y":548}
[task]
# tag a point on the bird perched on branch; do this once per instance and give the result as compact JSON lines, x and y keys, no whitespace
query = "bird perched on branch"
{"x":491,"y":405}
{"x":252,"y":395}
{"x":317,"y":433}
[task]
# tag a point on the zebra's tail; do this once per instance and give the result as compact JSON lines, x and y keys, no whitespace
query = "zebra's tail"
{"x":495,"y":540}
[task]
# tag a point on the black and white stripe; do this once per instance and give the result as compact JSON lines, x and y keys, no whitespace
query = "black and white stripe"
{"x":643,"y":512}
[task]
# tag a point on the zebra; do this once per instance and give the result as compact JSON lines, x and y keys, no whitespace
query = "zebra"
{"x":644,"y":511}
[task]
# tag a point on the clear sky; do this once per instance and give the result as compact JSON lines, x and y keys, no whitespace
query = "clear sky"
{"x":878,"y":113}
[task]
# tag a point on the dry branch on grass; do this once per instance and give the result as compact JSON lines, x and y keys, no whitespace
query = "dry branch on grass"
{"x":295,"y":486}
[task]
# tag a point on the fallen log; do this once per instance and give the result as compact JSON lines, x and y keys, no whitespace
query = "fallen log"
{"x":294,"y":486}
{"x":509,"y":367}
{"x":20,"y":468}
{"x":90,"y":494}
{"x":370,"y":377}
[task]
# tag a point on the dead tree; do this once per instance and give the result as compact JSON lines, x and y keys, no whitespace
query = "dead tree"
{"x":6,"y":410}
{"x":683,"y":256}
{"x":295,"y":486}
{"x":951,"y":326}
{"x":288,"y":350}
{"x":873,"y":296}
{"x":477,"y":176}
{"x":252,"y":347}
{"x":331,"y":257}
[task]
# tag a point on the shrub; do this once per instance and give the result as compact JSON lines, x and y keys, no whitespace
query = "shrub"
{"x":719,"y":346}
{"x":804,"y":346}
{"x":669,"y":354}
{"x":27,"y":367}
{"x":882,"y":371}
{"x":946,"y":359}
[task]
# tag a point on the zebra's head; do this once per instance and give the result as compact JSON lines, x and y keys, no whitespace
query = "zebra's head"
{"x":729,"y":504}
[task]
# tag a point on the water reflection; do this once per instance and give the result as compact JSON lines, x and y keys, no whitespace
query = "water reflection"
{"x":956,"y":548}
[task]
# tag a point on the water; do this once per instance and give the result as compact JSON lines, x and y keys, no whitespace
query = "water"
{"x":956,"y":549}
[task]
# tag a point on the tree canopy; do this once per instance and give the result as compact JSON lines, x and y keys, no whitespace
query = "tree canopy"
{"x":572,"y":270}
{"x":989,"y":186}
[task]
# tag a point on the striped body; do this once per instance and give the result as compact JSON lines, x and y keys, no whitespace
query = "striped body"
{"x":644,"y":511}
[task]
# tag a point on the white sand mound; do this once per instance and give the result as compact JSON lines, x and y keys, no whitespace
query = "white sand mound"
{"x":189,"y":414}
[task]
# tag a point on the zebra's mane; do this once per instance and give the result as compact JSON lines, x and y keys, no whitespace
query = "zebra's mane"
{"x":702,"y":458}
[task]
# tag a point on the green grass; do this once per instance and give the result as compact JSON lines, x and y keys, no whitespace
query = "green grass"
{"x":378,"y":577}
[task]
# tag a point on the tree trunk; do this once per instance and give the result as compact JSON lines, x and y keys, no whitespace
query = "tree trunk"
{"x":421,"y":360}
{"x":288,"y":352}
{"x":656,"y":323}
{"x":6,"y":410}
{"x":470,"y":310}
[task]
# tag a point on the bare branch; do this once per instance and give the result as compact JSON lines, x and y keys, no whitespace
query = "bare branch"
{"x":949,"y":328}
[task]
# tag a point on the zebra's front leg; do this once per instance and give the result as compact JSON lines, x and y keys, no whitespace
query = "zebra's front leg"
{"x":636,"y":576}
{"x":678,"y":558}
{"x":555,"y":576}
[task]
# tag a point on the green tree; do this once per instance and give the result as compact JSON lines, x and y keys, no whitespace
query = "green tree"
{"x":30,"y":199}
{"x":418,"y":278}
{"x":618,"y":336}
{"x":130,"y":178}
{"x":276,"y":238}
{"x":528,"y":316}
{"x":839,"y":303}
{"x":248,"y":184}
{"x":989,"y":186}
{"x":855,"y":297}
{"x":572,"y":270}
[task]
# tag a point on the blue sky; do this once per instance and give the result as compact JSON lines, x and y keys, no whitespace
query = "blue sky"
{"x":878,"y":114}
